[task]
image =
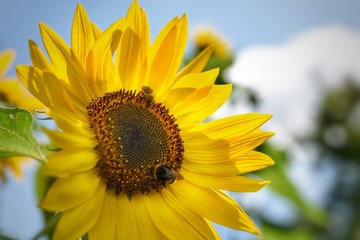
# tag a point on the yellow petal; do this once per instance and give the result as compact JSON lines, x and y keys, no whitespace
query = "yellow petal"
{"x":46,"y":87}
{"x":199,"y":148}
{"x":57,"y":93}
{"x":186,"y":86}
{"x":136,"y":19}
{"x":168,"y":221}
{"x":251,"y":162}
{"x":105,"y":227}
{"x":202,"y":225}
{"x":127,"y":223}
{"x":197,"y":80}
{"x":72,"y":191}
{"x":77,"y":123}
{"x":64,"y":162}
{"x":202,"y":149}
{"x":56,"y":48}
{"x":75,"y":105}
{"x":197,"y":111}
{"x":75,"y":222}
{"x":73,"y":121}
{"x":198,"y":63}
{"x":213,"y":205}
{"x":99,"y":65}
{"x":230,"y":183}
{"x":82,"y":37}
{"x":70,"y":141}
{"x":128,"y":60}
{"x":181,"y":109}
{"x":135,"y":222}
{"x":96,"y":30}
{"x":38,"y":58}
{"x":33,"y":79}
{"x":232,"y":126}
{"x":145,"y":226}
{"x":166,"y":54}
{"x":161,"y":65}
{"x":242,"y":145}
{"x":68,"y":68}
{"x":6,"y":59}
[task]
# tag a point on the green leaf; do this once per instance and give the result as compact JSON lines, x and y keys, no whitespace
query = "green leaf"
{"x":16,"y":137}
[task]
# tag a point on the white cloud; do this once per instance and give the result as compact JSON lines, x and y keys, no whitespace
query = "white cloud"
{"x":289,"y":77}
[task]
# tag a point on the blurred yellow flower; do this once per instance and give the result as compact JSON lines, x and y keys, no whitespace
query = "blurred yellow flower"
{"x":207,"y":36}
{"x":135,"y":161}
{"x":12,"y":92}
{"x":13,"y":164}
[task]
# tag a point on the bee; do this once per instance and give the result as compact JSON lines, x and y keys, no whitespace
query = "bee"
{"x":166,"y":175}
{"x":147,"y":91}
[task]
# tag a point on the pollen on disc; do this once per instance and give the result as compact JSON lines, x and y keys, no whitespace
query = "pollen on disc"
{"x":134,"y":135}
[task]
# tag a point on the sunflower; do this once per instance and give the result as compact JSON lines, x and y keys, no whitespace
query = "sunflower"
{"x":135,"y":159}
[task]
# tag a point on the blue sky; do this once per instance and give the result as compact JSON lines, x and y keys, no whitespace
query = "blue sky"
{"x":244,"y":23}
{"x":248,"y":26}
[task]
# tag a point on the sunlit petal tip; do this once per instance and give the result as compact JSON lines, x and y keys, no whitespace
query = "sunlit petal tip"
{"x":134,"y":4}
{"x":79,"y":7}
{"x":133,"y":11}
{"x":184,"y":20}
{"x":43,"y":26}
{"x":270,"y":134}
{"x":264,"y":183}
{"x":264,"y":117}
{"x":32,"y":44}
{"x":257,"y":233}
{"x":80,"y":11}
{"x":270,"y":162}
{"x":217,"y":71}
{"x":38,"y":58}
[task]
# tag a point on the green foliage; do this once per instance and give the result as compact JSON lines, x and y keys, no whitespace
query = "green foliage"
{"x":16,"y":137}
{"x":338,"y":127}
{"x":282,"y":185}
{"x":43,"y":183}
{"x":3,"y":237}
{"x":274,"y":232}
{"x":337,"y":136}
{"x":49,"y":228}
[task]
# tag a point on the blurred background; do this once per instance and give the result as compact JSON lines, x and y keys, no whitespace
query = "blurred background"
{"x":297,"y":60}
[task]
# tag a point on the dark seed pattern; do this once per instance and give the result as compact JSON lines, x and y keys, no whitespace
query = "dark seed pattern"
{"x":134,"y":135}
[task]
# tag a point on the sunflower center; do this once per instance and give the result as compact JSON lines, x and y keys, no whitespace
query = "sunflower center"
{"x":138,"y":142}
